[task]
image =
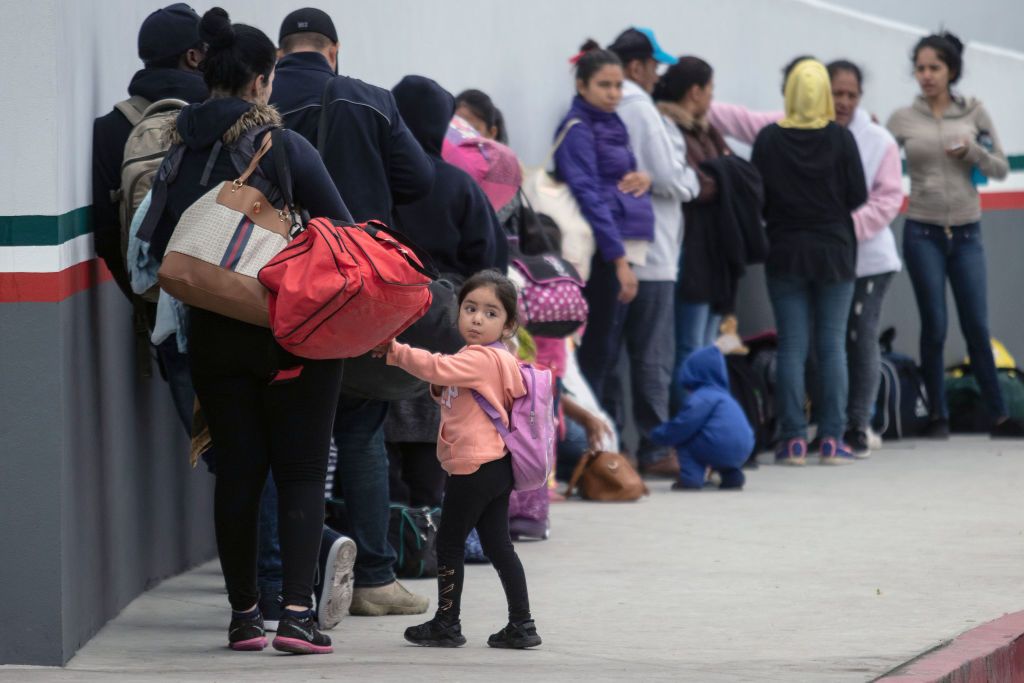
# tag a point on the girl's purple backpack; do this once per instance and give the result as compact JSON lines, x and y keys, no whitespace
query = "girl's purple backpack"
{"x":530,"y":436}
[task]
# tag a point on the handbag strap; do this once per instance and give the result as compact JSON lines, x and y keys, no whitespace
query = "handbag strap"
{"x":524,"y":207}
{"x":577,"y":473}
{"x":260,"y":153}
{"x":559,"y":140}
{"x":283,"y":169}
{"x":428,"y":267}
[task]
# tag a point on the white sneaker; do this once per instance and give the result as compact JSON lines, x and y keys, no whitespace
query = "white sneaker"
{"x":874,"y":440}
{"x":334,"y":594}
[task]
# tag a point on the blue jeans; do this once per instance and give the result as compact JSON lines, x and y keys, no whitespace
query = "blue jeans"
{"x":570,"y":449}
{"x":932,"y":254}
{"x":179,"y":379}
{"x":361,"y":479}
{"x":696,"y":327}
{"x":797,"y":301}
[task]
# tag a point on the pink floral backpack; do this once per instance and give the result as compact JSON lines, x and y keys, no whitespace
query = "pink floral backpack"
{"x":551,"y":302}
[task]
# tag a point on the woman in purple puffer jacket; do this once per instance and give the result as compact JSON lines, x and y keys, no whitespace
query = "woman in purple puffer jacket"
{"x":595,"y":161}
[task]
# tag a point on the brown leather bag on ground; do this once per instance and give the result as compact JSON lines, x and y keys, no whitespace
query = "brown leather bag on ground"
{"x":606,"y":477}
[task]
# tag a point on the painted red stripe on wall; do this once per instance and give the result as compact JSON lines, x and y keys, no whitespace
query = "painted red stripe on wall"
{"x":52,"y":287}
{"x":991,"y":201}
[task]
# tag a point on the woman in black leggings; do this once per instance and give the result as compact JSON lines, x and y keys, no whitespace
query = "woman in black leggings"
{"x":267,"y":409}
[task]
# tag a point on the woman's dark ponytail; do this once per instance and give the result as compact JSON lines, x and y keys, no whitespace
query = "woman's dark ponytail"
{"x":237,"y":53}
{"x":591,"y":59}
{"x":215,"y":29}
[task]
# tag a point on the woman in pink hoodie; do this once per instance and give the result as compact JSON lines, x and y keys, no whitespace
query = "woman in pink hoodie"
{"x":877,"y":257}
{"x":475,"y":457}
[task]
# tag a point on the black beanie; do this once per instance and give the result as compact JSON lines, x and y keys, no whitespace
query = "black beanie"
{"x":168,"y":32}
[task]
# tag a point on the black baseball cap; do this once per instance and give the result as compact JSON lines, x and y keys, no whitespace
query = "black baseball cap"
{"x":308,"y":20}
{"x":640,"y":43}
{"x":168,"y":32}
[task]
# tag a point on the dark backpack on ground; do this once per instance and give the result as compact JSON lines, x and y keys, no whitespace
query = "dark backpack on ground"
{"x":902,"y":407}
{"x":412,"y":532}
{"x":749,"y":389}
{"x":967,"y":409}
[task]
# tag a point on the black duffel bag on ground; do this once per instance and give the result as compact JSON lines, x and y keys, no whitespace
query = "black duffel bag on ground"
{"x":436,"y":331}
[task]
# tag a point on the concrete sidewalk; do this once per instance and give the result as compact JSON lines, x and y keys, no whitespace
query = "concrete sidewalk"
{"x":814,"y":574}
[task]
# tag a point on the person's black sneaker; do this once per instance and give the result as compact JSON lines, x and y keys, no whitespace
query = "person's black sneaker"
{"x":732,"y":480}
{"x":938,"y":428}
{"x":1009,"y":428}
{"x":271,"y":608}
{"x":516,"y":636}
{"x":246,"y":632}
{"x":857,"y":441}
{"x":297,"y":633}
{"x":436,"y":633}
{"x":815,"y":445}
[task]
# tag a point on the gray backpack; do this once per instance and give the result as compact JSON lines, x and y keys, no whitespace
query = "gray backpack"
{"x":145,"y":150}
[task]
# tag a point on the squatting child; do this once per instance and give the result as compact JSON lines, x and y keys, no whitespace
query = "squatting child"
{"x":475,"y":457}
{"x":711,"y":430}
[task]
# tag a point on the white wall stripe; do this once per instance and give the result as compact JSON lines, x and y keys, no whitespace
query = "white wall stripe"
{"x":47,"y":259}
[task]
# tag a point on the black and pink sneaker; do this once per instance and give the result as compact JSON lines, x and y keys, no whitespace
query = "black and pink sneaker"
{"x":246,"y":632}
{"x":298,"y":634}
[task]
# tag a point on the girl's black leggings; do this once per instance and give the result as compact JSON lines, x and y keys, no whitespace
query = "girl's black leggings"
{"x":267,"y":411}
{"x":478,"y":500}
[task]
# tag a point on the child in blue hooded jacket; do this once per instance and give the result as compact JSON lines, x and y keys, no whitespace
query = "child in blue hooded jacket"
{"x":711,"y":430}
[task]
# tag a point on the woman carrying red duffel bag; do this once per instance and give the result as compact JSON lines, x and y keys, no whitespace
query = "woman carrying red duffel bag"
{"x":267,"y":409}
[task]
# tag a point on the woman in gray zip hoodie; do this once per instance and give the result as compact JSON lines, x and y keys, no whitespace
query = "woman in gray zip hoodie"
{"x":944,"y":137}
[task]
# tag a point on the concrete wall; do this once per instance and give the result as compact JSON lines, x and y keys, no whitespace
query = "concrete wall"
{"x":96,"y":498}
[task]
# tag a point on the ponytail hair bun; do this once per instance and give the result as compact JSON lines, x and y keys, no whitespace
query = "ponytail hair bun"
{"x":215,"y":29}
{"x":591,"y":44}
{"x":954,"y":41}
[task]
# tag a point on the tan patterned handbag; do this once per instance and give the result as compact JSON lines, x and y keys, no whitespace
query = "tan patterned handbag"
{"x":221,"y":242}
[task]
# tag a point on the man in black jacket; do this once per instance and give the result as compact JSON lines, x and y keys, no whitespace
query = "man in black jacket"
{"x":376,"y":163}
{"x":171,"y":51}
{"x":374,"y":159}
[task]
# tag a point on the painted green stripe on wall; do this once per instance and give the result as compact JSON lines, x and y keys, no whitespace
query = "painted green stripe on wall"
{"x":1016,"y":163}
{"x":41,"y":231}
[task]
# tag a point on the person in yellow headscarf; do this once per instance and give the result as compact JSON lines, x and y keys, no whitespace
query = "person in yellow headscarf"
{"x":808,"y":96}
{"x":813,"y":180}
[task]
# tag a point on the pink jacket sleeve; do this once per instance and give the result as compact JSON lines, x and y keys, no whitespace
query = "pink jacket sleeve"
{"x":885,"y":197}
{"x":463,"y":369}
{"x":739,"y":122}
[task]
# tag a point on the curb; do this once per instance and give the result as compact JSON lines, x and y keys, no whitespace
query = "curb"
{"x":992,"y":652}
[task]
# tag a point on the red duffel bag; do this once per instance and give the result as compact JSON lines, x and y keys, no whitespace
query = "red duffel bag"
{"x":338,"y":289}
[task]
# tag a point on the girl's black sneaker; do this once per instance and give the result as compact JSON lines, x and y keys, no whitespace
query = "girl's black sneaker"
{"x":436,"y":633}
{"x":246,"y":632}
{"x":297,"y":633}
{"x":516,"y":636}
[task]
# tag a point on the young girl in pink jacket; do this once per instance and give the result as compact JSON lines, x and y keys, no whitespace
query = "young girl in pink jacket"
{"x":473,"y":454}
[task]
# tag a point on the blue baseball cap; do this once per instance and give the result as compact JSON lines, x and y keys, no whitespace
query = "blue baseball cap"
{"x":640,"y":43}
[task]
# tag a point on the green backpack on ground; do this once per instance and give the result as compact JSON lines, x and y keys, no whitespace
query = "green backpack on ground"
{"x":967,"y":409}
